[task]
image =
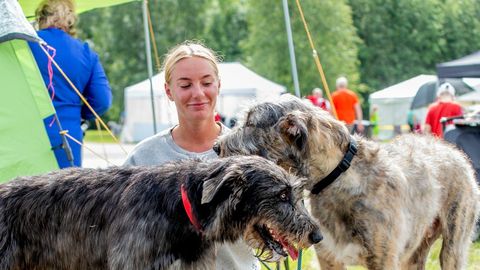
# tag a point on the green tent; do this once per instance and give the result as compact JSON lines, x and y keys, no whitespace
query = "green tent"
{"x":24,"y":103}
{"x":29,"y":6}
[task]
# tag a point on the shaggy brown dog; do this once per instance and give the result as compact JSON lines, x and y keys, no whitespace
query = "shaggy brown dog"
{"x":379,"y":205}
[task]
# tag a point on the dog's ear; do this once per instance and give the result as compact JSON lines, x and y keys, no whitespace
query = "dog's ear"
{"x":217,"y":182}
{"x":294,"y":130}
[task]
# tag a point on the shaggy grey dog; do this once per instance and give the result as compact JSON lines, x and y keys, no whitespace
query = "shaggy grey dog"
{"x":138,"y":217}
{"x":378,"y":205}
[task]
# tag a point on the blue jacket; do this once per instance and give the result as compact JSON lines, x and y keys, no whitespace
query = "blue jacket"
{"x":82,"y":66}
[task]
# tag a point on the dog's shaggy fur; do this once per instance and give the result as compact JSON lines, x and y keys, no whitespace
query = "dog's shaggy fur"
{"x":388,"y":208}
{"x":133,"y":218}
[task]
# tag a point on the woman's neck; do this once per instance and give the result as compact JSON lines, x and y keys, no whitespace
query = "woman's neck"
{"x":196,"y":137}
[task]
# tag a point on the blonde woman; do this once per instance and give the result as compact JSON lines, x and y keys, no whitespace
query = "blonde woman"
{"x":192,"y":83}
{"x":56,"y":20}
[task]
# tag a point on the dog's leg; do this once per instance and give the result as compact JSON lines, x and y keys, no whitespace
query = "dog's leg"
{"x":207,"y":262}
{"x":419,"y":258}
{"x":457,"y":227}
{"x":326,"y":264}
{"x":381,"y":249}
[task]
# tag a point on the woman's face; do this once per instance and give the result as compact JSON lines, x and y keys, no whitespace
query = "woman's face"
{"x":194,"y":88}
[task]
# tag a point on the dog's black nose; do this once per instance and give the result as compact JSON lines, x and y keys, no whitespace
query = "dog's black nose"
{"x":216,"y":148}
{"x":315,"y":237}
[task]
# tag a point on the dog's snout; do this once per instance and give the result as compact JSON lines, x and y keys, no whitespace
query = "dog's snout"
{"x":315,"y":237}
{"x":216,"y":148}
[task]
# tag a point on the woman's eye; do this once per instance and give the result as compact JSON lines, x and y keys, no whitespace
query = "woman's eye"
{"x":185,"y":86}
{"x":207,"y":84}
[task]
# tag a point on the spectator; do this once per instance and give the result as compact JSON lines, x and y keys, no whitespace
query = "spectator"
{"x":56,"y":20}
{"x":411,"y":120}
{"x":192,"y":83}
{"x":347,"y":106}
{"x":444,"y":107}
{"x":374,"y":122}
{"x":318,"y":100}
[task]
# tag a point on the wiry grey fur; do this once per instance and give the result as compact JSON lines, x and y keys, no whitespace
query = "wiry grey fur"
{"x":133,"y":217}
{"x":389,"y":207}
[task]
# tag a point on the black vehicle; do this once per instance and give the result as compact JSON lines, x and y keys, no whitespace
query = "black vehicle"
{"x":465,"y":134}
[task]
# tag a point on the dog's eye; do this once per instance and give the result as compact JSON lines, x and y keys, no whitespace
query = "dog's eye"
{"x":284,"y":196}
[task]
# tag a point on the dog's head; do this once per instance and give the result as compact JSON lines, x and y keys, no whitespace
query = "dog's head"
{"x":261,"y":202}
{"x":289,"y":132}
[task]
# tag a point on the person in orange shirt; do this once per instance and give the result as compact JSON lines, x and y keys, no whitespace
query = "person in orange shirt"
{"x":347,"y":106}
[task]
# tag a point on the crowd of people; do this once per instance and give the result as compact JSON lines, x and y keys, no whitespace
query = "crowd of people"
{"x":346,"y":105}
{"x":347,"y":108}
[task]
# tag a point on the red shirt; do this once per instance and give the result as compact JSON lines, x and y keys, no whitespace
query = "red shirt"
{"x":344,"y":101}
{"x":319,"y":102}
{"x":438,"y":110}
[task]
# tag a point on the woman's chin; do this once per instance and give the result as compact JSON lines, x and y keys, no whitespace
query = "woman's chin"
{"x":200,"y":115}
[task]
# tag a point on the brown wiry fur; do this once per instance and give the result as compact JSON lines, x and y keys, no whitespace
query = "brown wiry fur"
{"x":389,"y":207}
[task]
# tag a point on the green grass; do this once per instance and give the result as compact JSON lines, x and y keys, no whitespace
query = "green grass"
{"x":101,"y":136}
{"x":433,"y":263}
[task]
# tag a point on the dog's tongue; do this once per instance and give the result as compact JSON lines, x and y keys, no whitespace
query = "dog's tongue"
{"x":292,"y":251}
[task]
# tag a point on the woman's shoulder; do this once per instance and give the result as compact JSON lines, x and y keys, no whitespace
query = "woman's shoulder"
{"x":149,"y":150}
{"x":55,"y":36}
{"x":154,"y":140}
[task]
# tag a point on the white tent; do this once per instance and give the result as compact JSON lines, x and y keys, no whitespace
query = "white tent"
{"x":240,"y":87}
{"x":393,"y":103}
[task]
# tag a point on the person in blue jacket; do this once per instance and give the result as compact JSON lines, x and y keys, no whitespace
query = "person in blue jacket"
{"x":56,"y":20}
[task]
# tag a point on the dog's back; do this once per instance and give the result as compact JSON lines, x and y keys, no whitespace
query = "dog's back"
{"x":40,"y":218}
{"x":441,"y":186}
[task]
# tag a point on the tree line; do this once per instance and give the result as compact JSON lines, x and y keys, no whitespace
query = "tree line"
{"x":374,"y":43}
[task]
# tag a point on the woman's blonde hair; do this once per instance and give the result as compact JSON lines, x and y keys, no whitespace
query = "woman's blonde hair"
{"x":188,"y":49}
{"x":57,"y":13}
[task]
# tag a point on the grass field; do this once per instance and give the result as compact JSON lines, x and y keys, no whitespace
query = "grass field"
{"x":309,"y":259}
{"x":101,"y":136}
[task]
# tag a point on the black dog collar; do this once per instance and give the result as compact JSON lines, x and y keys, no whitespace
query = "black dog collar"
{"x":342,"y":167}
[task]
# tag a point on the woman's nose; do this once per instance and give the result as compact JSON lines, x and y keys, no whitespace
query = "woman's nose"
{"x":197,"y":89}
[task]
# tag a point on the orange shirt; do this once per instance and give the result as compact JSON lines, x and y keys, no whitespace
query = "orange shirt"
{"x":344,"y":101}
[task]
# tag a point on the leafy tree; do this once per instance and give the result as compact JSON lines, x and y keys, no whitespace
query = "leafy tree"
{"x":226,"y":28}
{"x":332,"y":30}
{"x":401,"y":39}
{"x":404,"y":38}
{"x":460,"y":15}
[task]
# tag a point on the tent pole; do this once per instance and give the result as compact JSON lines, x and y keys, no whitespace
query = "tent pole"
{"x":148,"y":54}
{"x":291,"y":48}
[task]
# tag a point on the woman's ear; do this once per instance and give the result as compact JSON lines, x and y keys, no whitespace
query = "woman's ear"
{"x":168,"y":91}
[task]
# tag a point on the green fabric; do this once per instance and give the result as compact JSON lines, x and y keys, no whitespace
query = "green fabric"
{"x":29,"y":6}
{"x":24,"y":103}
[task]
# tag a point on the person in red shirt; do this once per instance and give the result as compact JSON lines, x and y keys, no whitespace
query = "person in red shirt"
{"x":318,"y":100}
{"x":347,"y":106}
{"x":444,"y":107}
